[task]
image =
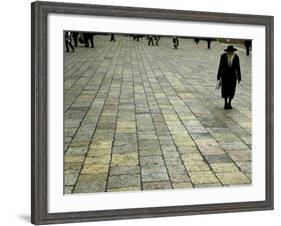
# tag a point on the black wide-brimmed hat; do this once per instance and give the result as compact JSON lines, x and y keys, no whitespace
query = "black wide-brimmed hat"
{"x":230,"y":49}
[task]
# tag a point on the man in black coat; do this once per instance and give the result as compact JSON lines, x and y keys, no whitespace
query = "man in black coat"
{"x":229,"y":72}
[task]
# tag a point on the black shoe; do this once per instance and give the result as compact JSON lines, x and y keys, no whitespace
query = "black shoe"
{"x":226,"y":106}
{"x":229,"y":106}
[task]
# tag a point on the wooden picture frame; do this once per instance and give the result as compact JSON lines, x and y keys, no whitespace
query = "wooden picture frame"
{"x":39,"y":109}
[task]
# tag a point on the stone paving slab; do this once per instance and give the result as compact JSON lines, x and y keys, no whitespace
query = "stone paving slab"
{"x":139,"y":117}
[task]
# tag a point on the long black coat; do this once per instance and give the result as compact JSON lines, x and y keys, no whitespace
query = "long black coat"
{"x":229,"y":75}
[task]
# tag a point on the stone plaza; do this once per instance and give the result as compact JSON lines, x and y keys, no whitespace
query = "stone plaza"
{"x":139,"y":117}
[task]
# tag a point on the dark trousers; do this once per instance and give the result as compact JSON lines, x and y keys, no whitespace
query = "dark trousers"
{"x":209,"y":44}
{"x":112,"y":38}
{"x":136,"y":37}
{"x":150,"y":40}
{"x":67,"y":44}
{"x":196,"y":40}
{"x":75,"y":38}
{"x":247,"y":49}
{"x":157,"y":39}
{"x":91,"y":38}
{"x":88,"y":37}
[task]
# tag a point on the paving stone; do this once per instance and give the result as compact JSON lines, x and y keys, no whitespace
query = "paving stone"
{"x":196,"y":165}
{"x":77,"y":151}
{"x":75,"y":158}
{"x":233,"y":145}
{"x":125,"y":148}
{"x":130,"y":159}
{"x":182,"y":185}
{"x":120,"y":170}
{"x":90,"y":187}
{"x":172,"y":160}
{"x":224,"y":167}
{"x":175,"y":178}
{"x":208,"y":185}
{"x":232,"y":178}
{"x":72,"y":166}
{"x":240,"y":155}
{"x":176,"y":169}
{"x":151,"y":160}
{"x":70,"y":177}
{"x":127,"y":189}
{"x":211,"y":150}
{"x":203,"y":177}
{"x":188,"y":157}
{"x":68,"y":189}
{"x":218,"y":159}
{"x":94,"y":169}
{"x":154,"y":173}
{"x":97,"y":160}
{"x":245,"y":166}
{"x":122,"y":181}
{"x":157,"y":185}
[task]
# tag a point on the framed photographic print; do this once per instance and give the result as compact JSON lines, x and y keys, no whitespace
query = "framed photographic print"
{"x":140,"y":112}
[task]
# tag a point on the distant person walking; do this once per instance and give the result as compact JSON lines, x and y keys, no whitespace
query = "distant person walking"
{"x":228,"y":73}
{"x":75,"y":38}
{"x":209,"y":40}
{"x":67,"y":40}
{"x":248,"y":44}
{"x":88,"y":37}
{"x":150,"y":40}
{"x":157,"y":39}
{"x":175,"y":42}
{"x":112,"y":38}
{"x":196,"y":40}
{"x":136,"y":37}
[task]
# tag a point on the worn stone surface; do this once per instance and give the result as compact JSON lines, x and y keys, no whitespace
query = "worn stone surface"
{"x":122,"y":181}
{"x":139,"y":117}
{"x":203,"y":177}
{"x":232,"y":178}
{"x":157,"y":185}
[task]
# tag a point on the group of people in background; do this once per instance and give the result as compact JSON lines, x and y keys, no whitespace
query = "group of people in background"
{"x":87,"y":39}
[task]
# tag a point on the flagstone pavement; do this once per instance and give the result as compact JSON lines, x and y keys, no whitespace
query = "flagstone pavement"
{"x":139,"y":117}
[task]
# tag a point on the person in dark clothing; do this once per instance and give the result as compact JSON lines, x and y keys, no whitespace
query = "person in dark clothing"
{"x":67,"y":40}
{"x":157,"y":39}
{"x":91,"y":38}
{"x":175,"y":42}
{"x":209,"y":40}
{"x":88,"y":37}
{"x":196,"y":40}
{"x":228,"y":73}
{"x":136,"y":37}
{"x":75,"y":38}
{"x":150,"y":40}
{"x":112,"y":38}
{"x":248,"y":44}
